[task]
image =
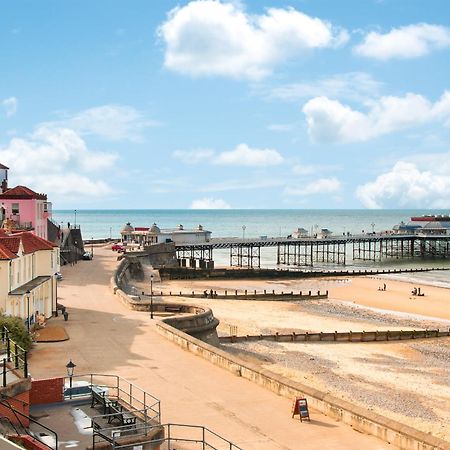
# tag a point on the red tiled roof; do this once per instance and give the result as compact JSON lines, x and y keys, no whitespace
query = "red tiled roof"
{"x":5,"y":252}
{"x":22,"y":192}
{"x":30,"y":242}
{"x":141,"y":229}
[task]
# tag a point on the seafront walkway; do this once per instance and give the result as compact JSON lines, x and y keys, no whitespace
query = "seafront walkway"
{"x":106,"y":337}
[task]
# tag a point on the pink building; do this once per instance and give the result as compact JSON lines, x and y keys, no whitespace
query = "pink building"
{"x":27,"y":209}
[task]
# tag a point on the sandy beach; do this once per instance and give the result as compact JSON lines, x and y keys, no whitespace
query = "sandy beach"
{"x":407,"y":381}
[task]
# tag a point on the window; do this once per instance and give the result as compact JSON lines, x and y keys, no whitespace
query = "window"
{"x":15,"y":208}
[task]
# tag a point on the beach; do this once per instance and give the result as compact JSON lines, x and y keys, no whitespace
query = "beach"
{"x":407,"y":381}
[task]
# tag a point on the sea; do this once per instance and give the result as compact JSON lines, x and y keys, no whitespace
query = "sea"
{"x":263,"y":222}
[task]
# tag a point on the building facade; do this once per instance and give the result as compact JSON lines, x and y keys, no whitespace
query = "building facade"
{"x":28,"y":267}
{"x":154,"y":235}
{"x":21,"y":208}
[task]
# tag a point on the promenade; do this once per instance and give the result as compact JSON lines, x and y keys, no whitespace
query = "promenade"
{"x":106,"y":337}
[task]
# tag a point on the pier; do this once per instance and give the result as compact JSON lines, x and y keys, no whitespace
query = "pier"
{"x":309,"y":251}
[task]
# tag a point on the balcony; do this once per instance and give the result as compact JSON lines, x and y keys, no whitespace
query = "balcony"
{"x":19,"y":224}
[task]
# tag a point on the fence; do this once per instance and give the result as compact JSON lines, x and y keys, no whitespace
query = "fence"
{"x":14,"y":357}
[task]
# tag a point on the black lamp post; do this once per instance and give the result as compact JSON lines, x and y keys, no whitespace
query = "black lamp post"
{"x":151,"y":296}
{"x":70,"y":366}
{"x":56,"y":296}
{"x":28,"y":309}
{"x":92,"y":247}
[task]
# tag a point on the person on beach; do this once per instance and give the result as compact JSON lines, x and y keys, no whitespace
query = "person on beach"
{"x":384,"y":286}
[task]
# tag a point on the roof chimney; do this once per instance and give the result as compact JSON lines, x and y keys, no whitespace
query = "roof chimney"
{"x":3,"y":178}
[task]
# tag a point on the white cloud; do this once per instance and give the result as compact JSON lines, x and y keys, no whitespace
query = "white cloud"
{"x":10,"y":105}
{"x":58,"y":162}
{"x":410,"y":41}
{"x":320,"y":186}
{"x":213,"y":38}
{"x":243,"y":155}
{"x":193,"y":156}
{"x":210,"y":203}
{"x":313,"y":169}
{"x":405,"y":185}
{"x":239,"y":185}
{"x":331,"y":121}
{"x":112,"y":122}
{"x":352,"y":85}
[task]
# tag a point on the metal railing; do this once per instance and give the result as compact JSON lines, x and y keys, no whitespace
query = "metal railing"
{"x":46,"y":436}
{"x":192,"y":436}
{"x":132,"y":397}
{"x":14,"y":356}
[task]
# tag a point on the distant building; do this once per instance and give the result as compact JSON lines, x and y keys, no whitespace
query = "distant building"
{"x":154,"y":235}
{"x":28,"y":267}
{"x":324,"y":233}
{"x":23,"y":209}
{"x":299,"y":233}
{"x":429,"y":225}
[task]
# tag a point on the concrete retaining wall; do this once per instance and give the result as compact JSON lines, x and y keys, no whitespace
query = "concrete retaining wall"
{"x":196,"y":320}
{"x":358,"y":417}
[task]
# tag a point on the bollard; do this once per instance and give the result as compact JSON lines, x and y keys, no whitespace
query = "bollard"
{"x":66,"y":316}
{"x":255,"y":292}
{"x":226,"y":293}
{"x":335,"y":335}
{"x":236,"y":292}
{"x":264,"y":292}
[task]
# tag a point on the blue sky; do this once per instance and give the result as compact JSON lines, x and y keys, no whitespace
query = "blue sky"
{"x":206,"y":104}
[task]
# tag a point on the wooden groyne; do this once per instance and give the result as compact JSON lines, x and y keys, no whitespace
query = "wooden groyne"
{"x":186,"y":273}
{"x":242,"y":295}
{"x":350,"y":336}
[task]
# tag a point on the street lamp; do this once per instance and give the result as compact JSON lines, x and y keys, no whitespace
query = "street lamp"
{"x":75,"y":211}
{"x":243,"y":231}
{"x":151,"y":296}
{"x":28,"y":309}
{"x":55,"y":280}
{"x":70,"y":366}
{"x":92,"y":247}
{"x":373,"y":228}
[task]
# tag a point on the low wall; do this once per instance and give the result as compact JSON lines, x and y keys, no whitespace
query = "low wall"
{"x":17,"y":395}
{"x":358,"y":417}
{"x":47,"y":390}
{"x":350,"y":336}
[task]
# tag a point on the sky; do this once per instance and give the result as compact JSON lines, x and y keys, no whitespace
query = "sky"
{"x":227,"y":104}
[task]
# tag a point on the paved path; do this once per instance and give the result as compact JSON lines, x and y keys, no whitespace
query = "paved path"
{"x":106,"y":337}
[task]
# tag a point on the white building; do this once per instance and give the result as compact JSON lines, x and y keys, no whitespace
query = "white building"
{"x":155,"y":235}
{"x":300,"y":233}
{"x":28,"y":267}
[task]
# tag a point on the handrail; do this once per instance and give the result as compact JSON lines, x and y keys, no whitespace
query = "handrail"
{"x":13,"y":352}
{"x":16,"y":413}
{"x":169,"y":437}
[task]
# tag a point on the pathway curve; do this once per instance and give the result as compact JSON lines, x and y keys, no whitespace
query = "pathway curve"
{"x":106,"y":337}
